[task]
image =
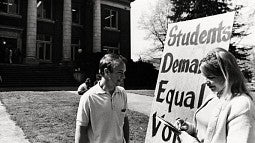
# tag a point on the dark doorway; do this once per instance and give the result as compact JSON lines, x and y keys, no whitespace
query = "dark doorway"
{"x":8,"y":50}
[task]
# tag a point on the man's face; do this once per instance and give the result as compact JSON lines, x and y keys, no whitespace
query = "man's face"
{"x":118,"y":75}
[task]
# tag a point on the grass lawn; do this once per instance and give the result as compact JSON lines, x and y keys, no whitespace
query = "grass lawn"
{"x":49,"y":117}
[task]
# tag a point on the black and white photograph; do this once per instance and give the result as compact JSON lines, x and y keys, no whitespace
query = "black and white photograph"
{"x":127,"y":71}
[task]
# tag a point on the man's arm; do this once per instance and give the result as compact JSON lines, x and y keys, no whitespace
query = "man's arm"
{"x":81,"y":134}
{"x":82,"y":89}
{"x":126,"y":129}
{"x":81,"y":92}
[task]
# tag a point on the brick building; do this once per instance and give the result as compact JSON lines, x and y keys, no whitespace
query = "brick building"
{"x":54,"y":31}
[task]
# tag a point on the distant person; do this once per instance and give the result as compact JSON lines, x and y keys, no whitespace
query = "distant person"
{"x":6,"y":55}
{"x":98,"y":77}
{"x":2,"y":53}
{"x":228,"y":115}
{"x":84,"y":86}
{"x":78,"y":60}
{"x":10,"y":56}
{"x":101,"y":115}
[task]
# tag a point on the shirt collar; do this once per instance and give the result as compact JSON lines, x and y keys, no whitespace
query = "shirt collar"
{"x":100,"y":90}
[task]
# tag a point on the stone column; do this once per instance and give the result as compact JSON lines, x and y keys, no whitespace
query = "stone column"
{"x":31,"y":33}
{"x":97,"y":26}
{"x":67,"y":28}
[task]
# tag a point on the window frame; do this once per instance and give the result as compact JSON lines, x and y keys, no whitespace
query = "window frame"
{"x":79,"y":13}
{"x":111,"y":49}
{"x":8,"y":8}
{"x":45,"y":43}
{"x":111,"y":19}
{"x":74,"y":48}
{"x":42,"y":12}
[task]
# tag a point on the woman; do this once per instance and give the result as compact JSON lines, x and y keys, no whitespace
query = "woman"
{"x":228,"y":116}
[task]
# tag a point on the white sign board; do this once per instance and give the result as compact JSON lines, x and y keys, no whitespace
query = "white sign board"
{"x":180,"y":88}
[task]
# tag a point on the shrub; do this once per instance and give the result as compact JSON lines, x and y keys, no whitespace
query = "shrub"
{"x":140,"y":75}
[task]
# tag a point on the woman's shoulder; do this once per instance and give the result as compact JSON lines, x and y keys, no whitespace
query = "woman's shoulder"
{"x":242,"y":99}
{"x":242,"y":103}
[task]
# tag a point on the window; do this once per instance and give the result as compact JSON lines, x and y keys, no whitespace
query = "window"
{"x":111,"y":48}
{"x":75,"y":46}
{"x":76,"y":14}
{"x":44,"y":9}
{"x":9,"y":6}
{"x":111,"y":18}
{"x":43,"y":47}
{"x":107,"y":49}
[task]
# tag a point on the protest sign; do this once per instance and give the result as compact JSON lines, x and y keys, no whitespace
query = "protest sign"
{"x":180,"y":87}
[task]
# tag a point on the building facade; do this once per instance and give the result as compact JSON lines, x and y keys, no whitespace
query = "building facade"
{"x":55,"y":31}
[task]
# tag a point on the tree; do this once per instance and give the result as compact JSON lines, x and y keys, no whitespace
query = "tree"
{"x":253,"y":64}
{"x":155,"y":24}
{"x":187,"y":10}
{"x":140,"y":75}
{"x":182,"y":10}
{"x":244,"y":60}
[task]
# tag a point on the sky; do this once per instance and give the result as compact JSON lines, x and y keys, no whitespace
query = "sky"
{"x":139,"y":45}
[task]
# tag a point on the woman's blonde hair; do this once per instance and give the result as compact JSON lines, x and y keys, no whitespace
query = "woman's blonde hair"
{"x":220,"y":62}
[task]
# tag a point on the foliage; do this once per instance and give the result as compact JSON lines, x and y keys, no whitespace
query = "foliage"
{"x":244,"y":60}
{"x":155,"y":23}
{"x":140,"y":75}
{"x":187,"y":10}
{"x":242,"y":53}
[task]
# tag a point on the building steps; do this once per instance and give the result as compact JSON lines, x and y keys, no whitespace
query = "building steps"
{"x":36,"y":76}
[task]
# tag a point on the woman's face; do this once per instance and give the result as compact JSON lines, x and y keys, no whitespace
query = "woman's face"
{"x":215,"y":83}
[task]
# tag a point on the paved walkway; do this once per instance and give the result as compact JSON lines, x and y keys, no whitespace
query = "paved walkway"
{"x":140,"y":103}
{"x":10,"y":133}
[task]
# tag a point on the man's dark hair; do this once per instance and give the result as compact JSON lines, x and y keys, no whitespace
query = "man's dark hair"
{"x":110,"y":61}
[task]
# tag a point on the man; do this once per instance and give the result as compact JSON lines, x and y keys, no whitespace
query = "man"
{"x":101,"y":116}
{"x":84,"y":87}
